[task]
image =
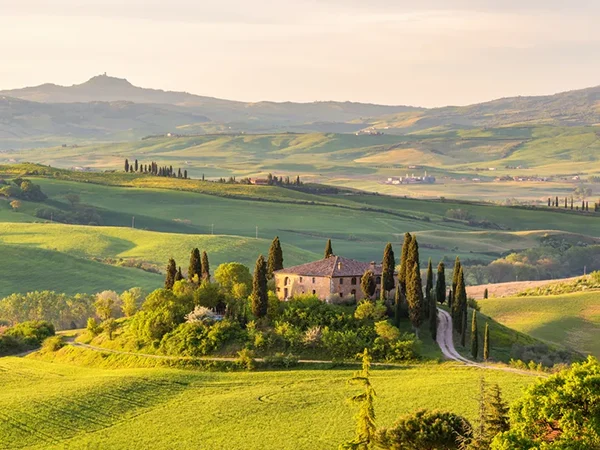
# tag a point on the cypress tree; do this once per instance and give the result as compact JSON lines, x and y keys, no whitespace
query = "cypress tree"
{"x":136,"y":165}
{"x":459,"y":303}
{"x":548,"y":201}
{"x":457,"y":266}
{"x":571,"y":203}
{"x":387,"y":271}
{"x":260,"y":296}
{"x":463,"y":336}
{"x":275,"y":261}
{"x":179,"y":175}
{"x":171,"y":274}
{"x":429,"y":282}
{"x":486,"y":342}
{"x":474,"y":336}
{"x":485,"y":293}
{"x":496,"y":413}
{"x":402,"y":273}
{"x":126,"y":165}
{"x":328,"y":249}
{"x":566,"y":203}
{"x":368,"y":285}
{"x":556,"y":203}
{"x":440,"y":283}
{"x":195,"y":267}
{"x":185,"y":174}
{"x":414,"y":297}
{"x":179,"y":275}
{"x":433,"y":323}
{"x":450,"y":299}
{"x":205,"y":267}
{"x":397,"y":306}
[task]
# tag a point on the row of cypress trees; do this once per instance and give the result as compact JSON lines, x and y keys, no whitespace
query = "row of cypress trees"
{"x":198,"y":270}
{"x":154,"y":169}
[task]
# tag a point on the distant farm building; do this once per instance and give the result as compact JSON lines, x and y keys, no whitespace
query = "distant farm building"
{"x":330,"y":276}
{"x":259,"y":181}
{"x":412,"y":179}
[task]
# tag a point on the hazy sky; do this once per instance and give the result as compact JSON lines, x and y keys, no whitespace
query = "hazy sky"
{"x":425,"y":52}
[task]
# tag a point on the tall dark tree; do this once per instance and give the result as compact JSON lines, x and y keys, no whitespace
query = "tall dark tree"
{"x":195,"y":267}
{"x":205,"y":267}
{"x":463,"y":334}
{"x":397,"y":306}
{"x":260,"y":296}
{"x":474,"y":336}
{"x":275,"y":261}
{"x":486,"y":342}
{"x":485,"y":293}
{"x":171,"y":274}
{"x":387,"y":271}
{"x":496,"y":413}
{"x":459,"y":302}
{"x":429,"y":281}
{"x":136,"y":165}
{"x":440,"y":283}
{"x":179,"y":175}
{"x":185,"y":174}
{"x":179,"y":275}
{"x":404,"y":265}
{"x":126,"y":165}
{"x":414,"y":297}
{"x":368,"y":285}
{"x":457,"y":266}
{"x":433,"y":320}
{"x":328,"y":249}
{"x":450,"y":301}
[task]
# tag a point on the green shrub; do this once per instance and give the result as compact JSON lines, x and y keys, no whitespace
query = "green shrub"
{"x":53,"y":344}
{"x":25,"y":336}
{"x":200,"y":339}
{"x":343,"y":344}
{"x":246,"y":360}
{"x":367,"y":310}
{"x":425,"y":430}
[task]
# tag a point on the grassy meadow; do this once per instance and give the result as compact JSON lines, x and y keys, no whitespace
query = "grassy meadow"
{"x":454,"y":156}
{"x":571,"y":320}
{"x":172,"y":216}
{"x":54,"y":405}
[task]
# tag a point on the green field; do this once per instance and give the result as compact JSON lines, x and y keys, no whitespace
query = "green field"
{"x":571,"y":320}
{"x":172,"y":216}
{"x":454,"y":156}
{"x":52,"y":405}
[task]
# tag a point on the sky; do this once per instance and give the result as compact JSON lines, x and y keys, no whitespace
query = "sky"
{"x":421,"y":53}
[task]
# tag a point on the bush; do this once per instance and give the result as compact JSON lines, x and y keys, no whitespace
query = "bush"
{"x":343,"y":344}
{"x":336,"y":299}
{"x":425,"y":430}
{"x":246,"y":360}
{"x":472,"y":303}
{"x":25,"y":336}
{"x":53,"y":344}
{"x":367,"y":310}
{"x":200,"y":339}
{"x":93,"y":328}
{"x":559,"y":412}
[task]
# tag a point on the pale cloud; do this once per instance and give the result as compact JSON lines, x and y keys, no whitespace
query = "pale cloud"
{"x":436,"y":53}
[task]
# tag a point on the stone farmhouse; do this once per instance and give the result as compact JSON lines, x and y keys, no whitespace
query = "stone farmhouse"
{"x":333,"y":275}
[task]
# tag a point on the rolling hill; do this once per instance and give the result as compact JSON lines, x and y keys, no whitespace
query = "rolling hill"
{"x":106,"y":108}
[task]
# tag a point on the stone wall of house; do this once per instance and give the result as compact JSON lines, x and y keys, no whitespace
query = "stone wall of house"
{"x":319,"y":286}
{"x":298,"y":285}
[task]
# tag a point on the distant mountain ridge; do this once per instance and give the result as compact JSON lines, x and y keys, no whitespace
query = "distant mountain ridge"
{"x":106,"y":108}
{"x":104,"y":88}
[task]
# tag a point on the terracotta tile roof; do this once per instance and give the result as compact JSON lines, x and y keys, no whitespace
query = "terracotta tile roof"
{"x":334,"y":266}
